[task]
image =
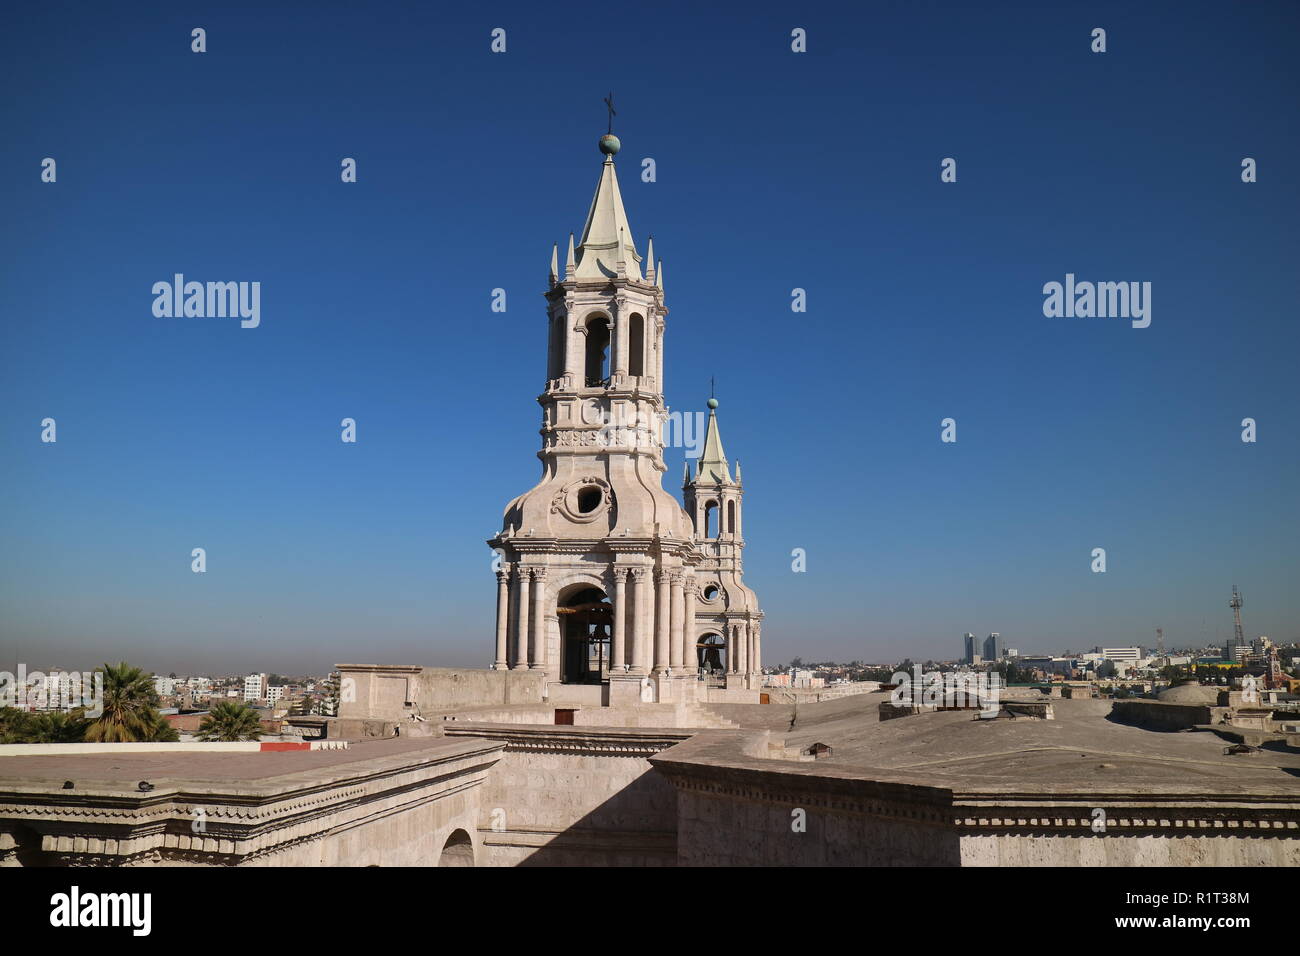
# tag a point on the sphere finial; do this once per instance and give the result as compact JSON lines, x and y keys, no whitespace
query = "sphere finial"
{"x":609,"y":144}
{"x":713,"y":403}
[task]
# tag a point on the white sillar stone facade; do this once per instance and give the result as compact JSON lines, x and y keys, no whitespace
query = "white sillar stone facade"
{"x":604,"y":579}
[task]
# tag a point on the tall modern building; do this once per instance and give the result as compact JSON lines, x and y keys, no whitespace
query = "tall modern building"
{"x":994,"y":649}
{"x":603,"y":577}
{"x":971,"y":653}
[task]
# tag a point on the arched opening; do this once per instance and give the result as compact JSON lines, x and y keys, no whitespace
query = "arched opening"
{"x":597,"y":351}
{"x":636,"y":345}
{"x":711,"y":519}
{"x":555,"y":367}
{"x":731,"y":517}
{"x":586,"y":625}
{"x":712,"y":652}
{"x":458,"y":850}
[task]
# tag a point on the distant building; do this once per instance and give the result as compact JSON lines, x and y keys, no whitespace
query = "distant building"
{"x":994,"y":650}
{"x":274,"y":694}
{"x":254,"y":687}
{"x":1121,"y":655}
{"x":972,"y":649}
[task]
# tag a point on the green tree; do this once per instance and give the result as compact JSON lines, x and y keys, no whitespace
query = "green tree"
{"x":57,"y":727}
{"x":161,"y":730}
{"x":15,"y":726}
{"x":230,"y":721}
{"x":130,"y":707}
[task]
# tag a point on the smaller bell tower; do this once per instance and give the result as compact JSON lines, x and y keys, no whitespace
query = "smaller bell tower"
{"x":728,"y":620}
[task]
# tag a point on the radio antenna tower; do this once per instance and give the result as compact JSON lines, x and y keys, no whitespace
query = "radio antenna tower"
{"x":1235,"y":604}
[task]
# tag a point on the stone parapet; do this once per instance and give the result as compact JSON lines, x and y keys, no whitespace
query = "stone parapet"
{"x":739,"y":809}
{"x":392,"y":808}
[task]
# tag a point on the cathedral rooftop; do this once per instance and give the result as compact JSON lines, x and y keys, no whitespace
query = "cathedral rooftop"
{"x":1081,"y":747}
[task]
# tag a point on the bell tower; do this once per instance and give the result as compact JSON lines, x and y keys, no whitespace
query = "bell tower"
{"x":596,"y":562}
{"x":727,"y":616}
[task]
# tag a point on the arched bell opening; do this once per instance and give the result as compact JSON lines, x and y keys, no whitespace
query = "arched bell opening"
{"x":586,"y":627}
{"x":711,"y":656}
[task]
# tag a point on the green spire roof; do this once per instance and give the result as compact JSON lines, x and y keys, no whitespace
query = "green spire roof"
{"x":713,"y":461}
{"x":607,"y":238}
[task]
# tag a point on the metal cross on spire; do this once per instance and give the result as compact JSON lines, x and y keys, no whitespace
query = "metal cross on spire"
{"x":609,"y":104}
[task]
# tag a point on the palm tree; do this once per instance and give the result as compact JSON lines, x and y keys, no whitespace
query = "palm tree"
{"x":56,"y":727}
{"x":129,"y":712}
{"x":15,"y":726}
{"x":230,"y":721}
{"x":161,"y":731}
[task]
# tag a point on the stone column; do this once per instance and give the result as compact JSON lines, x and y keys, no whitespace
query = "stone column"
{"x":658,"y":334}
{"x":618,"y":339}
{"x":574,"y":353}
{"x":742,"y":658}
{"x":661,"y":622}
{"x":521,"y":620}
{"x":617,"y":658}
{"x":729,"y":638}
{"x":758,"y":647}
{"x":677,"y":660}
{"x":640,"y":620}
{"x":503,"y":618}
{"x":750,"y":656}
{"x":690,"y":655}
{"x":538,"y":642}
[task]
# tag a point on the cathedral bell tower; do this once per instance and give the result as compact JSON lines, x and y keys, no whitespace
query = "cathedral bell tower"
{"x":727,"y":616}
{"x":596,"y":576}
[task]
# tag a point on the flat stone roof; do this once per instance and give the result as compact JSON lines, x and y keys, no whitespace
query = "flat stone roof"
{"x":121,"y":771}
{"x":1080,"y":746}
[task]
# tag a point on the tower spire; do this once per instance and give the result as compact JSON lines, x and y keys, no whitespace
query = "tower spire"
{"x":606,"y":236}
{"x":713,"y":460}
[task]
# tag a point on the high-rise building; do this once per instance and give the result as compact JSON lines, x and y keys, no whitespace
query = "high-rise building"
{"x":971,"y":648}
{"x":993,"y":647}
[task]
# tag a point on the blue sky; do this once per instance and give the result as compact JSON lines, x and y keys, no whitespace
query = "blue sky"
{"x":775,"y":170}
